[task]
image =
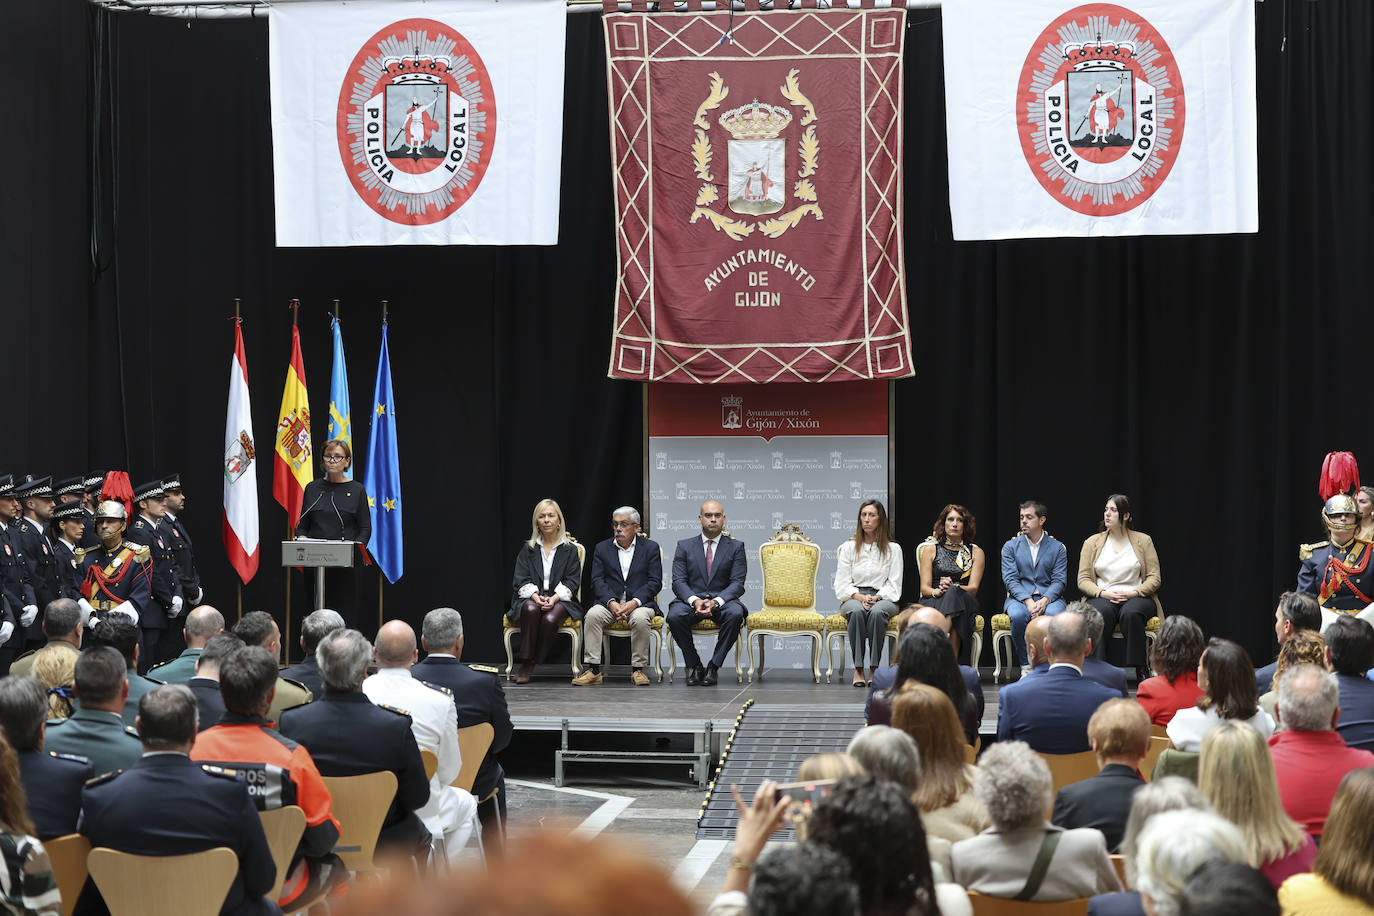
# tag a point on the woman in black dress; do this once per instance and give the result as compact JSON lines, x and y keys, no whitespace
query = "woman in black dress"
{"x":951,"y":571}
{"x":335,"y":509}
{"x":548,"y":575}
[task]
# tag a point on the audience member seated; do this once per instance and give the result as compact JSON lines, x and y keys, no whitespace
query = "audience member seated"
{"x":62,"y":625}
{"x":794,"y":881}
{"x":886,"y":752}
{"x":926,"y":656}
{"x":120,"y":634}
{"x":886,"y":676}
{"x":165,"y":805}
{"x":1302,"y":648}
{"x":1035,"y":586}
{"x":1225,"y":888}
{"x":434,"y":722}
{"x":244,"y":741}
{"x":1174,"y":657}
{"x":1050,"y":712}
{"x":548,"y":573}
{"x":830,"y":765}
{"x":1173,"y":845}
{"x":1236,"y":774}
{"x":868,"y":582}
{"x":1171,"y":793}
{"x":205,"y":684}
{"x":257,"y":628}
{"x":1342,"y":876}
{"x":949,"y":807}
{"x":1094,"y":668}
{"x":55,"y":669}
{"x":1350,"y":648}
{"x":52,"y":782}
{"x":951,"y":567}
{"x":1039,"y":659}
{"x":1118,"y":573}
{"x":478,"y":696}
{"x":1296,"y":611}
{"x":1227,"y":680}
{"x":316,"y":626}
{"x":347,"y":736}
{"x":28,"y":886}
{"x":202,"y":624}
{"x":1309,"y":756}
{"x":96,"y":730}
{"x":1014,"y":784}
{"x":1120,"y":735}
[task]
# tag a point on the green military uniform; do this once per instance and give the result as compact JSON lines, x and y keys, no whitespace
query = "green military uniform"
{"x":138,"y":686}
{"x":289,"y":693}
{"x":179,"y":670}
{"x":98,"y":735}
{"x":23,"y":666}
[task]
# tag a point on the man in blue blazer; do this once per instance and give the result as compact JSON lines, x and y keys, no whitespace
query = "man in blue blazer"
{"x":1050,"y":711}
{"x":708,"y":581}
{"x":627,"y":572}
{"x":1035,"y":570}
{"x":1095,"y":669}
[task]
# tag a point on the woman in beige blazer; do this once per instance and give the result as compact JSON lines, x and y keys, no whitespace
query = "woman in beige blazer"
{"x":1118,"y":573}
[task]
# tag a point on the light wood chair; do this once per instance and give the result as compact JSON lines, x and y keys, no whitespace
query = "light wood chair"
{"x":971,"y":750}
{"x":789,"y":560}
{"x":1159,"y":731}
{"x":430,"y":760}
{"x":984,"y":905}
{"x":189,"y":885}
{"x":1070,"y":768}
{"x":1158,"y":745}
{"x":67,"y":856}
{"x":283,"y":827}
{"x":572,"y":628}
{"x":473,"y":742}
{"x":360,"y":804}
{"x":1119,"y":863}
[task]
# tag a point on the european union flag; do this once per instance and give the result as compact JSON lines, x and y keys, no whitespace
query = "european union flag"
{"x":340,"y":421}
{"x":382,"y":474}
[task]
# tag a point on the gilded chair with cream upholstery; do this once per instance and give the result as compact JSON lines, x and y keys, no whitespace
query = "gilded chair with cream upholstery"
{"x":789,"y":560}
{"x":657,"y":625}
{"x":573,"y":628}
{"x":1001,"y":642}
{"x":700,"y":628}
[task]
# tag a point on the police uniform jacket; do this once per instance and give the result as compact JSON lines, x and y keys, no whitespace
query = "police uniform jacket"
{"x":138,"y":686}
{"x":179,"y":670}
{"x":347,"y":735}
{"x":180,"y":542}
{"x":165,"y":584}
{"x":478,"y":697}
{"x":209,"y":701}
{"x":42,"y":568}
{"x":307,"y":674}
{"x":89,"y":538}
{"x":289,"y":694}
{"x":52,"y":786}
{"x":100,"y":736}
{"x":168,"y":805}
{"x":15,"y":586}
{"x":111,"y":577}
{"x":68,"y":570}
{"x":1341,"y":578}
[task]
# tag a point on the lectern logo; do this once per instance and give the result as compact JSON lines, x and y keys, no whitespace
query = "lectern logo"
{"x":416,"y":121}
{"x":1100,"y":109}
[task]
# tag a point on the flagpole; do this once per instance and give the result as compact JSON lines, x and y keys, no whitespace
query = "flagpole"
{"x":238,"y":582}
{"x":381,"y":577}
{"x":290,"y":532}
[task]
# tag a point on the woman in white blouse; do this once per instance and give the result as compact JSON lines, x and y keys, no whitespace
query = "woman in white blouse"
{"x":1118,"y":573}
{"x":548,"y":575}
{"x":1227,"y":678}
{"x":868,"y":580}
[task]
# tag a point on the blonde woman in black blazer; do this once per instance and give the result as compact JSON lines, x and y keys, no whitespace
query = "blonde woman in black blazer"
{"x":548,"y":573}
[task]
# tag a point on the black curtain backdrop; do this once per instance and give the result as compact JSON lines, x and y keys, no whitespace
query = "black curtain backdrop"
{"x":1206,"y":377}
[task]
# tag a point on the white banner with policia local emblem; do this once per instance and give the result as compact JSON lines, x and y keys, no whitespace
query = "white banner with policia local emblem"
{"x":1089,"y":119}
{"x":417,"y":123}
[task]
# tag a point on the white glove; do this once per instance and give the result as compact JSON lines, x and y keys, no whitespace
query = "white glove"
{"x":86,"y":610}
{"x":200,"y":595}
{"x":6,"y":631}
{"x":128,"y":610}
{"x":30,"y":614}
{"x":175,"y":609}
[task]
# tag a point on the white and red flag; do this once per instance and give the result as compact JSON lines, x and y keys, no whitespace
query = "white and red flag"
{"x":240,"y":527}
{"x":1095,"y":119}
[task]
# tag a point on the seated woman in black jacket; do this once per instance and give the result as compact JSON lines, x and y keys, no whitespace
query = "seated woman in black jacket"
{"x":548,"y":574}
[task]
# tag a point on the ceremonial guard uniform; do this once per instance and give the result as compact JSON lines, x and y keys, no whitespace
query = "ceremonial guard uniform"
{"x":1341,"y":575}
{"x":166,"y":587}
{"x":38,"y":557}
{"x":117,"y":578}
{"x":92,"y":483}
{"x":180,"y":542}
{"x":52,"y":786}
{"x":16,"y":592}
{"x":68,"y":569}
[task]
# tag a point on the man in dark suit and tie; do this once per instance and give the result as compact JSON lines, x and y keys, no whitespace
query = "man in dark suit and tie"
{"x":1120,"y":736}
{"x":1095,"y":669}
{"x":627,"y":572}
{"x":708,"y":581}
{"x":1050,"y":711}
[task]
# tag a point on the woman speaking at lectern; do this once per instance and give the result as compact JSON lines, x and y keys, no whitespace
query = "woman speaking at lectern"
{"x":335,"y":509}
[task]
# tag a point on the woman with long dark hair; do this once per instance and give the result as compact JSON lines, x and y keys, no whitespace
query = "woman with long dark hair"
{"x":868,"y":580}
{"x":1342,"y":877}
{"x":951,"y":571}
{"x":1118,"y":573}
{"x":925,"y":656}
{"x":1227,"y":679}
{"x":27,"y":886}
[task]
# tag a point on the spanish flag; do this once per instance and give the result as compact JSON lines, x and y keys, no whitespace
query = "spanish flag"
{"x":292,"y":469}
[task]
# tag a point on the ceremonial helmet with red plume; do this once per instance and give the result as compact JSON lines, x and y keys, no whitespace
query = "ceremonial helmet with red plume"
{"x":1340,"y":474}
{"x":118,"y":488}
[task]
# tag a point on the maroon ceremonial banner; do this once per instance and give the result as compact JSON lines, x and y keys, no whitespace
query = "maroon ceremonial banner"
{"x":758,"y":190}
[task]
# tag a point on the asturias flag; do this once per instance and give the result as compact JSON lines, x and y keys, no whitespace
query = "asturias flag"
{"x":340,"y":422}
{"x":291,"y":471}
{"x":382,"y":475}
{"x":240,"y":528}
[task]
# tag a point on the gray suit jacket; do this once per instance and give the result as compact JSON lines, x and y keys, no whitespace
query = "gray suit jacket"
{"x":997,"y":864}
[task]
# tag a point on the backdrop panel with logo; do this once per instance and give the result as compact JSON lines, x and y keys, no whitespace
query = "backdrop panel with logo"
{"x":772,"y":455}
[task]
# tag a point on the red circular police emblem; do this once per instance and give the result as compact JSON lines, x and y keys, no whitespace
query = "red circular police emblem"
{"x":1100,"y":109}
{"x":416,"y":121}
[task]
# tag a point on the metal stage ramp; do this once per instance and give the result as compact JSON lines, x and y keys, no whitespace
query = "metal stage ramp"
{"x":770,"y":741}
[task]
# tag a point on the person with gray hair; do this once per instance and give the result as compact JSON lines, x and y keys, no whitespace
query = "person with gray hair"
{"x":888,"y":753}
{"x":1013,"y":783}
{"x":62,"y":625}
{"x":478,"y":697}
{"x":1094,"y":668}
{"x":314,"y":627}
{"x":166,"y":804}
{"x":627,"y":573}
{"x":1310,"y":756}
{"x":348,"y":735}
{"x":96,"y":730}
{"x":202,"y":624}
{"x":52,"y":782}
{"x":1172,"y":846}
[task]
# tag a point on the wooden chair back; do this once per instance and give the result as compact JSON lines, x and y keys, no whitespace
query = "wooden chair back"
{"x":971,"y":750}
{"x":1119,"y":863}
{"x":283,"y":827}
{"x":473,"y":742}
{"x":360,"y":803}
{"x":984,"y":905}
{"x":1158,"y":745}
{"x":1159,"y":731}
{"x":1070,"y":768}
{"x":189,"y":885}
{"x":430,"y":760}
{"x":67,"y":856}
